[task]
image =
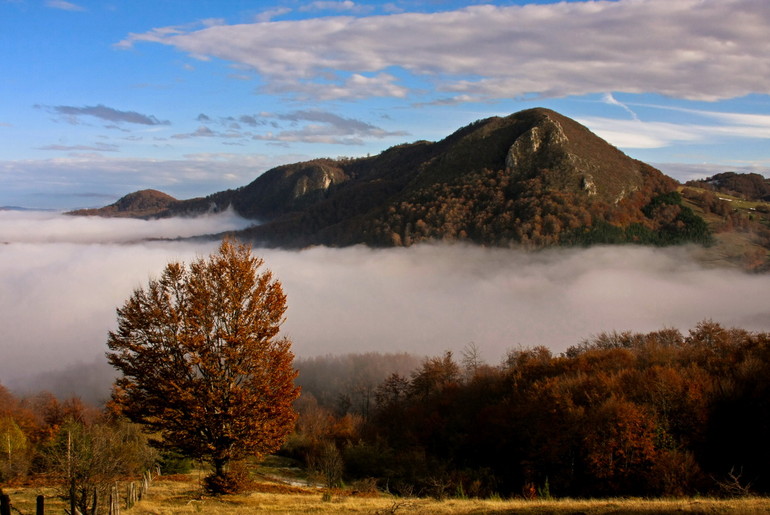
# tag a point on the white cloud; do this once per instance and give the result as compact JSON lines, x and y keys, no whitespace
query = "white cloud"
{"x":72,"y":114}
{"x":64,"y":6}
{"x":269,"y":14}
{"x":640,"y":134}
{"x":695,"y":49}
{"x":611,"y":100}
{"x":637,"y":133}
{"x":355,"y":87}
{"x":97,"y":147}
{"x":62,"y":278}
{"x":59,"y":297}
{"x":307,"y":126}
{"x":50,"y":227}
{"x":337,"y":6}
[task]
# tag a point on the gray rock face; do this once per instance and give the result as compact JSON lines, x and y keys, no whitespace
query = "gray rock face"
{"x":558,"y":149}
{"x":539,"y":148}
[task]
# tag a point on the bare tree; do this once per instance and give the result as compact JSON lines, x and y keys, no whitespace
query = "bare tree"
{"x":88,"y":459}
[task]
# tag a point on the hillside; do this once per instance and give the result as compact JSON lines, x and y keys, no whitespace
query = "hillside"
{"x":747,"y":186}
{"x":140,"y":204}
{"x":740,"y":228}
{"x":534,"y":178}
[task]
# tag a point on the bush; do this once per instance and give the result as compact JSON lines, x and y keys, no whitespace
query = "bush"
{"x":173,"y":462}
{"x":235,"y":479}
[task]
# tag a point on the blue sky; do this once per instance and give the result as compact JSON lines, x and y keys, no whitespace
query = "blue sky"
{"x":102,"y":98}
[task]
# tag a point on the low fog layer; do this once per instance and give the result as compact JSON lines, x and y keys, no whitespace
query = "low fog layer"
{"x":63,"y":277}
{"x":54,"y":227}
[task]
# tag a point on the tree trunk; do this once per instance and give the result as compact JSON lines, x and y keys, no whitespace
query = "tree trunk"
{"x":5,"y":504}
{"x":73,"y":501}
{"x":219,"y":466}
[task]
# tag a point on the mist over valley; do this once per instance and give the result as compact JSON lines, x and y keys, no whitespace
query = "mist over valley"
{"x":63,"y":277}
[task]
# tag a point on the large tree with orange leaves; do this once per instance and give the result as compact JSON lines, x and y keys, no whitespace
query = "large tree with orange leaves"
{"x":202,"y":364}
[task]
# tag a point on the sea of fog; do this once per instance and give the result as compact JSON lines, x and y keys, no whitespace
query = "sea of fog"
{"x":62,"y":278}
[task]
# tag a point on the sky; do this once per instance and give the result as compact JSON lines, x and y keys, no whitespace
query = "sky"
{"x":102,"y":98}
{"x":62,"y":278}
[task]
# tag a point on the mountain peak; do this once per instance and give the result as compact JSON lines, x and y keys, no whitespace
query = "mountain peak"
{"x":571,"y":157}
{"x":535,"y":178}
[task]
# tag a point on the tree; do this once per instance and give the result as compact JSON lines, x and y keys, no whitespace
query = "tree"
{"x":434,"y":375}
{"x":89,"y":458}
{"x":202,"y":364}
{"x":13,"y":443}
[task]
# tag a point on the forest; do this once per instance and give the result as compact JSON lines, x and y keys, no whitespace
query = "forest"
{"x":656,"y":414}
{"x":619,"y":414}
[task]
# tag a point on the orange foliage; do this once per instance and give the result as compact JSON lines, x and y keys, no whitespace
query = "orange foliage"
{"x":201,"y":361}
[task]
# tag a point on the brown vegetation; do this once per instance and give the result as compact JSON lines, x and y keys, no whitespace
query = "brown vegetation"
{"x":202,"y":364}
{"x":620,"y":414}
{"x":657,"y":414}
{"x":183,"y":494}
{"x":748,"y":186}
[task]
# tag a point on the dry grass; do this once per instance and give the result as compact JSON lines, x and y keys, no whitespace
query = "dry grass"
{"x":731,"y":249}
{"x":182,"y":494}
{"x":168,"y":498}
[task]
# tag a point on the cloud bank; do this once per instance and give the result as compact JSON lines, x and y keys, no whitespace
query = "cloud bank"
{"x":492,"y":52}
{"x":40,"y":227}
{"x":61,"y":284}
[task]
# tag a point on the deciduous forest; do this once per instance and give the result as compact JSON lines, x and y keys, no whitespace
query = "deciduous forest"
{"x":619,"y":414}
{"x":657,"y":414}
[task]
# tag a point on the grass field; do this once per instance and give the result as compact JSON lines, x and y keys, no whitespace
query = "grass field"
{"x":732,"y":248}
{"x":183,"y":494}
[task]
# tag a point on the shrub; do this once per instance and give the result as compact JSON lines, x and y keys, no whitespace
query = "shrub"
{"x":235,"y":479}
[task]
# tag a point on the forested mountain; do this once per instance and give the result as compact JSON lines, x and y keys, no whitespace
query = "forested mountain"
{"x":534,"y":178}
{"x":748,"y":186}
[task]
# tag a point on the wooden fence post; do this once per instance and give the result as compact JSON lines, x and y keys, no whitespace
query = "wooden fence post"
{"x":73,"y":507}
{"x":146,"y":479}
{"x":115,"y":500}
{"x":132,"y":496}
{"x":5,"y":504}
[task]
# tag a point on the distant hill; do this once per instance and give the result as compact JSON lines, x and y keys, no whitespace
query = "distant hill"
{"x":140,"y":204}
{"x":748,"y":186}
{"x":535,"y":178}
{"x":16,"y":208}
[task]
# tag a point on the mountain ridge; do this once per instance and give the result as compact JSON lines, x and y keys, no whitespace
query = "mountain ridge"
{"x":534,"y":178}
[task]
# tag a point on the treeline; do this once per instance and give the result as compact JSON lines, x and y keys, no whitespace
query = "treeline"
{"x":69,"y":443}
{"x":657,"y":414}
{"x":749,"y":186}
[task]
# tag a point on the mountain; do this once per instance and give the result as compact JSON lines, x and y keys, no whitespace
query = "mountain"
{"x":534,"y":178}
{"x":140,"y":204}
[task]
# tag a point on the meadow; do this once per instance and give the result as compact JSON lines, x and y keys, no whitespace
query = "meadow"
{"x":183,"y":493}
